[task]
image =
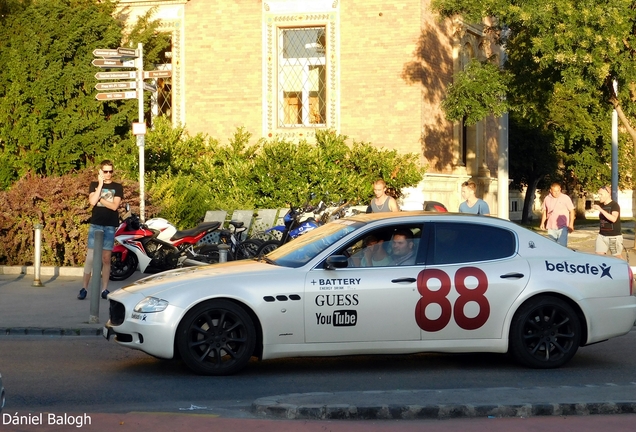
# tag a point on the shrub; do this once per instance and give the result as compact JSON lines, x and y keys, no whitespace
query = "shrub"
{"x":60,"y":205}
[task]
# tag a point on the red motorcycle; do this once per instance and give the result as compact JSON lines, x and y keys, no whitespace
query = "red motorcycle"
{"x":158,"y":246}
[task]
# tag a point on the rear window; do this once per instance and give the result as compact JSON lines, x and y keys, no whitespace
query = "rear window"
{"x":466,"y":242}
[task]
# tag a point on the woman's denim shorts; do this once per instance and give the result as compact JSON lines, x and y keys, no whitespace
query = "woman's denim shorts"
{"x":109,"y":236}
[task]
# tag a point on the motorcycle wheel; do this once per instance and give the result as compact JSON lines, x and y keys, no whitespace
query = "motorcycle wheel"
{"x":120,"y":270}
{"x":210,"y":254}
{"x":267,"y":247}
{"x":248,"y":249}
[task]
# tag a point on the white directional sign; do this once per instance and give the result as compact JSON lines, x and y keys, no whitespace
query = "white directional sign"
{"x":106,"y":53}
{"x":116,"y":85}
{"x":150,"y":87}
{"x":116,"y":75}
{"x":113,"y":63}
{"x":127,"y":52}
{"x":116,"y":95}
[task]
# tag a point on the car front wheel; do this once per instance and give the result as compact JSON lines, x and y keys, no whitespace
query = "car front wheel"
{"x":216,"y":337}
{"x":545,"y":333}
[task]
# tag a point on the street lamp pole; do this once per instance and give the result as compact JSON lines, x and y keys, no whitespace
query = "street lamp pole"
{"x":141,"y":138}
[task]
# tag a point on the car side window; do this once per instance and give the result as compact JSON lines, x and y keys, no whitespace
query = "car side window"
{"x":384,"y":247}
{"x":468,"y":242}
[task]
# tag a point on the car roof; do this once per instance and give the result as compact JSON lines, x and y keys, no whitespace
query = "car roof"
{"x":431,"y":216}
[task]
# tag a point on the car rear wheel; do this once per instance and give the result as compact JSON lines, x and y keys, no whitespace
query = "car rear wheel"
{"x":216,"y":338}
{"x":545,"y":333}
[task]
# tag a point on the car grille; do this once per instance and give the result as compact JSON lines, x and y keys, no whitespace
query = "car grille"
{"x":117,"y":313}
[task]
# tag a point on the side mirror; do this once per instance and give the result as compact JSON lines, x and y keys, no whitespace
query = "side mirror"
{"x":336,"y":261}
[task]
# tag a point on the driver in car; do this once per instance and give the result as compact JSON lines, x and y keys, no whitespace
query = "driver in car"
{"x":402,"y":247}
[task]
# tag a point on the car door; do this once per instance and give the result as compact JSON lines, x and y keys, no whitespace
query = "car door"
{"x":472,"y":277}
{"x":363,"y":304}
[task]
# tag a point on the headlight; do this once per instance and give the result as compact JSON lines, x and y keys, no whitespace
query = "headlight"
{"x":151,"y":304}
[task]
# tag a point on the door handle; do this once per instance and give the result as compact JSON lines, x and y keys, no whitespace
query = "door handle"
{"x":407,"y":280}
{"x":512,"y":276}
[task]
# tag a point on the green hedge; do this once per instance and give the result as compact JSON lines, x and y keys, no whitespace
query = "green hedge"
{"x":186,"y":176}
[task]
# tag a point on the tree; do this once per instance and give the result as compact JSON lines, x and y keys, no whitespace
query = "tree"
{"x":532,"y":159}
{"x":50,"y":121}
{"x":562,"y":59}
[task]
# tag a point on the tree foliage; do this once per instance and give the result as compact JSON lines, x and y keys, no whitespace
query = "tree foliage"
{"x":477,"y":92}
{"x":50,"y":121}
{"x":562,"y":59}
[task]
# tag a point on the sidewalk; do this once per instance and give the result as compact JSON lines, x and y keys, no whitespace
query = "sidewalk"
{"x":53,"y":310}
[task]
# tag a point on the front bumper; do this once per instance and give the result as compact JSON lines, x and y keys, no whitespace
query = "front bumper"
{"x":152,"y":333}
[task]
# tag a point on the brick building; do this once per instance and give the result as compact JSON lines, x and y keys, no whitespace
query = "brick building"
{"x":373,"y":70}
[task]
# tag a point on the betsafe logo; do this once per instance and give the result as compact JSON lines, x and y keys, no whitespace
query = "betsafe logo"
{"x":566,"y":267}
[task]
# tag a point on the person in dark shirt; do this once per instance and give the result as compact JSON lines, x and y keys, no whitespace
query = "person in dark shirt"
{"x":610,"y":238}
{"x":105,"y":196}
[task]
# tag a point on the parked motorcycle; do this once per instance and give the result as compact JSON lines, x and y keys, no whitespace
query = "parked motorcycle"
{"x":157,"y":245}
{"x":295,"y":224}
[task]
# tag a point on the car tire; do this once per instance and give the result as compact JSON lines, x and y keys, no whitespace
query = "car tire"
{"x":216,"y":337}
{"x":122,"y":269}
{"x":545,"y":333}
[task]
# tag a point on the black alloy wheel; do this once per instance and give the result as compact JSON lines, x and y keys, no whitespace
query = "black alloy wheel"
{"x":545,"y":333}
{"x":216,"y":337}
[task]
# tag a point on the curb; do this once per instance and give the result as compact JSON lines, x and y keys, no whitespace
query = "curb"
{"x":44,"y":271}
{"x":273,"y":407}
{"x":50,"y":331}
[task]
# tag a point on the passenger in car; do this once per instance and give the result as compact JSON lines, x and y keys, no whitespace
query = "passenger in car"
{"x":374,"y":253}
{"x":402,"y":247}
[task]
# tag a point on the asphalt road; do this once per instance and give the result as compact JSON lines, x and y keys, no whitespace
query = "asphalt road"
{"x":89,"y":374}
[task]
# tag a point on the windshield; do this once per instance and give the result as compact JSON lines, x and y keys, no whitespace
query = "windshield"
{"x":303,"y":249}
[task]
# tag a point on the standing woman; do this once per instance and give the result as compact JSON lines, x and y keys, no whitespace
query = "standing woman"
{"x":382,"y":202}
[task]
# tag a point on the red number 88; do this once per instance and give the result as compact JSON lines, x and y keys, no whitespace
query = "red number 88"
{"x":440,"y":297}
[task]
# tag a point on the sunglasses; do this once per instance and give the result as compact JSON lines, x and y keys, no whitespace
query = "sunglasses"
{"x":107,"y":171}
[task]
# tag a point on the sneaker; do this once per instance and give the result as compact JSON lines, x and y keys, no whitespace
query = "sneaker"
{"x":105,"y":294}
{"x":82,"y":294}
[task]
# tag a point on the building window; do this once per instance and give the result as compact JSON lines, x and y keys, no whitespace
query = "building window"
{"x":302,"y":77}
{"x":514,"y":205}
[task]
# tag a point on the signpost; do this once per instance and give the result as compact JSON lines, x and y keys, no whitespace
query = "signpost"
{"x":116,"y":85}
{"x":128,"y":58}
{"x":127,"y":52}
{"x":116,"y":75}
{"x":106,"y":53}
{"x":114,"y":63}
{"x":150,"y":87}
{"x":116,"y":95}
{"x":157,"y":74}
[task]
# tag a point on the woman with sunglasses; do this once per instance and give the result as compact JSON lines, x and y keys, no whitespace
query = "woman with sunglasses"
{"x":610,"y":238}
{"x":105,"y":196}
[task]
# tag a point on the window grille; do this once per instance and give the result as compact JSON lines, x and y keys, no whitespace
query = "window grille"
{"x":302,"y":77}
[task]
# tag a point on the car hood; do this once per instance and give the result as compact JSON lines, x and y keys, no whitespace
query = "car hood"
{"x":156,"y":284}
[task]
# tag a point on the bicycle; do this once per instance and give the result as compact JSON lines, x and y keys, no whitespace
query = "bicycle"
{"x":239,"y":249}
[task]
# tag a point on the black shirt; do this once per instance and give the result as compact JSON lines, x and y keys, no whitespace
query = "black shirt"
{"x":103,"y":215}
{"x":610,"y":228}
